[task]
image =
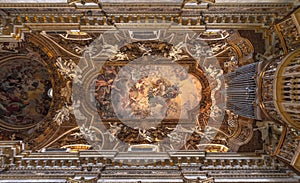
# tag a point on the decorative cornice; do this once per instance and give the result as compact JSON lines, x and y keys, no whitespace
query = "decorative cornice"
{"x":19,"y":18}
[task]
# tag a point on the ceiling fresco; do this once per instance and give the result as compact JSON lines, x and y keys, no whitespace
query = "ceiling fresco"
{"x":99,"y":85}
{"x":143,"y":92}
{"x":24,"y":92}
{"x":133,"y":97}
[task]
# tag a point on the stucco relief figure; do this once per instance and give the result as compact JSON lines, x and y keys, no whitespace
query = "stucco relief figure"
{"x":66,"y":92}
{"x":89,"y":134}
{"x":69,"y":69}
{"x":101,"y":48}
{"x":144,"y":49}
{"x":120,"y":56}
{"x":77,"y":135}
{"x":218,"y":47}
{"x":176,"y":52}
{"x":215,"y":75}
{"x":113,"y":131}
{"x":63,"y":114}
{"x":232,"y":64}
{"x":144,"y":134}
{"x":201,"y":50}
{"x":76,"y":110}
{"x":207,"y":44}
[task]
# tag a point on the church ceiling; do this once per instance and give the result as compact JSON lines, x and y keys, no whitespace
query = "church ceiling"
{"x":172,"y":90}
{"x":117,"y":76}
{"x":127,"y":98}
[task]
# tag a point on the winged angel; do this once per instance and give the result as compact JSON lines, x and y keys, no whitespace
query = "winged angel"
{"x":62,"y":114}
{"x":69,"y":69}
{"x":101,"y":48}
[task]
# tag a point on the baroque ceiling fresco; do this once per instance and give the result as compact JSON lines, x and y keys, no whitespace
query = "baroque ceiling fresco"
{"x":204,"y":88}
{"x":24,"y":99}
{"x":131,"y":90}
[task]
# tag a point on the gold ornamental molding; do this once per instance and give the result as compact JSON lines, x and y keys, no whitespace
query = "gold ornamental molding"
{"x":64,"y":16}
{"x":280,"y":142}
{"x":82,"y":1}
{"x":296,"y":18}
{"x":279,"y":80}
{"x":281,"y":38}
{"x":288,"y":31}
{"x":82,"y":180}
{"x":260,"y":93}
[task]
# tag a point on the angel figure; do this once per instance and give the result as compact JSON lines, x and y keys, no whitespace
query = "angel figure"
{"x":113,"y":131}
{"x":144,"y":50}
{"x":63,"y":114}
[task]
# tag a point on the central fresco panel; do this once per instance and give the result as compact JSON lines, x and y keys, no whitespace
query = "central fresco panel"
{"x":150,"y":95}
{"x":139,"y":93}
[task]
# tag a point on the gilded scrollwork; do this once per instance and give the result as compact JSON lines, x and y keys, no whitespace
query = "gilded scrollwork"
{"x":287,"y":147}
{"x":231,"y":64}
{"x":232,"y":121}
{"x":289,"y":33}
{"x":241,"y":50}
